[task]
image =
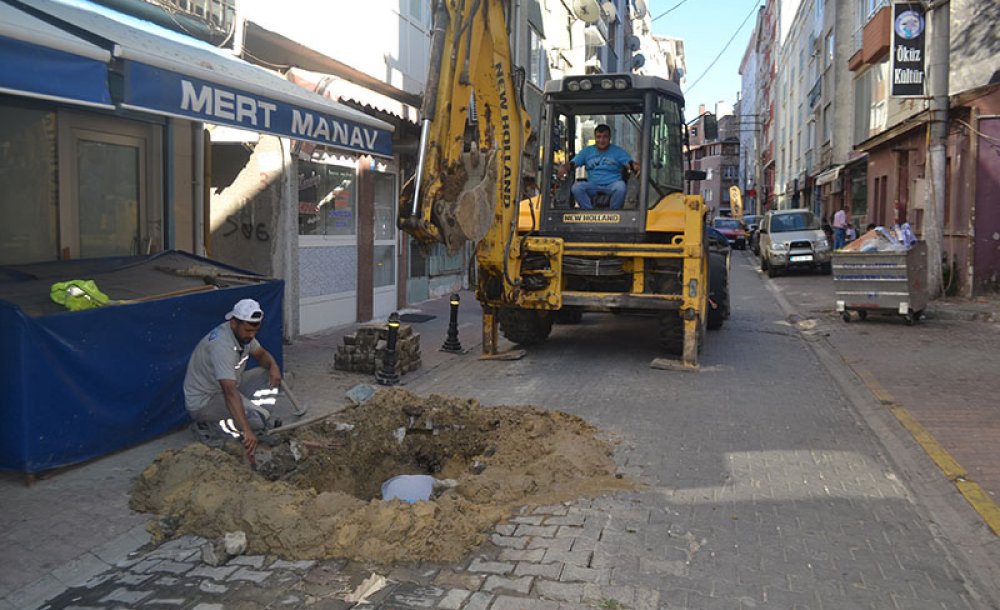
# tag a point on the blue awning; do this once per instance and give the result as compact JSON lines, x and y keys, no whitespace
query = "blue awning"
{"x":174,"y":75}
{"x":44,"y":62}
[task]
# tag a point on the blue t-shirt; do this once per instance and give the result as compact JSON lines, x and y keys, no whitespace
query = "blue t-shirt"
{"x":604,"y":167}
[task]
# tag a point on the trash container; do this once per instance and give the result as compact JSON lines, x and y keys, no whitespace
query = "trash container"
{"x":888,"y":282}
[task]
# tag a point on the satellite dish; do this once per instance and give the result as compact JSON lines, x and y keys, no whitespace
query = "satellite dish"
{"x":640,"y":9}
{"x":609,"y":11}
{"x":632,"y":43}
{"x":638,"y":61}
{"x":587,"y":11}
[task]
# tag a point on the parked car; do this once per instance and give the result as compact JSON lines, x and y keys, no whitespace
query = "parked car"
{"x":752,"y":222}
{"x":793,"y":239}
{"x":734,"y":230}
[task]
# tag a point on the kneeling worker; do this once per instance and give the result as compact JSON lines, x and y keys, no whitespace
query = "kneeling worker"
{"x":217,"y":393}
{"x":604,"y":162}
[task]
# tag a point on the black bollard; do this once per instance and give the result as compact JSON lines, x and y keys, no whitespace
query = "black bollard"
{"x":387,"y":375}
{"x":451,"y":344}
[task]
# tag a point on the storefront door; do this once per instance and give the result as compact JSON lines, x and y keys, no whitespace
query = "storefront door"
{"x":386,"y":235}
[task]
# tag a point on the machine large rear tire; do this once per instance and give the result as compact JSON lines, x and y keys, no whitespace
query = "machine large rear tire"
{"x":718,"y":291}
{"x":524,"y":326}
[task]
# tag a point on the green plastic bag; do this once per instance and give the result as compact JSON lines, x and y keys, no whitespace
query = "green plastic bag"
{"x":77,"y":295}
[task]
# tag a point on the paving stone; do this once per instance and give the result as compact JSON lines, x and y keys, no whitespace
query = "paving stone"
{"x":249,"y":575}
{"x":550,"y":571}
{"x":535,"y":555}
{"x":79,"y":570}
{"x":253,"y":561}
{"x":577,"y":558}
{"x":211,"y":587}
{"x":282,"y":564}
{"x":528,"y":519}
{"x":166,"y":581}
{"x":146,"y":565}
{"x":562,"y":544}
{"x":479,"y":601}
{"x":160,"y":601}
{"x":491,"y":567}
{"x":506,"y":529}
{"x":453,"y":599}
{"x":411,"y":595}
{"x":209,"y":607}
{"x":546,"y":531}
{"x":572,"y":573}
{"x":520,"y":584}
{"x":458,"y":580}
{"x":559,"y":591}
{"x":511,"y":542}
{"x":574,"y":520}
{"x":171,"y":567}
{"x":508,"y":602}
{"x":215,"y":573}
{"x":126,"y":596}
{"x":554,"y":509}
{"x":132,"y":580}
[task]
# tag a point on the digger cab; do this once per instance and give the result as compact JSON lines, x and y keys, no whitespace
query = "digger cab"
{"x":646,"y":120}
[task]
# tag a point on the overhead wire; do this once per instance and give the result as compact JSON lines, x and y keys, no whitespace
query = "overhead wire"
{"x":728,"y":42}
{"x":668,"y":11}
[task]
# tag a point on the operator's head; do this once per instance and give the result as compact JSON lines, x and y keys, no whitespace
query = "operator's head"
{"x":245,"y":319}
{"x":602,"y":136}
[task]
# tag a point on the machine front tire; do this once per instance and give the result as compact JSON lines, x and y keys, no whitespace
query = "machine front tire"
{"x":524,"y":326}
{"x":718,"y":290}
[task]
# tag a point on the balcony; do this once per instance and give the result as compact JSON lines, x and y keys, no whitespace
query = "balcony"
{"x":871,"y":41}
{"x":815,"y":92}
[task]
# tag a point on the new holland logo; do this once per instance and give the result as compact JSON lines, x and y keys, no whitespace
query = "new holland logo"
{"x":592,"y":217}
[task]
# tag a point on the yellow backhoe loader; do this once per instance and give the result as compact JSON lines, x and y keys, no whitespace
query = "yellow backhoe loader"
{"x":544,"y":259}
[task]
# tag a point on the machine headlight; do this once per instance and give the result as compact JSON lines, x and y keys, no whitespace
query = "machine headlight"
{"x":621,"y":83}
{"x":573,"y":85}
{"x":586,"y":85}
{"x":607,"y":83}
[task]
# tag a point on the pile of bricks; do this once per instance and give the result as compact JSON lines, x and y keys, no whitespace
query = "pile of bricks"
{"x":363,"y":350}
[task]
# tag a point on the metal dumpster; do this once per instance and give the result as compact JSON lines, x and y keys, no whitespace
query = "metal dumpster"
{"x":889,"y":282}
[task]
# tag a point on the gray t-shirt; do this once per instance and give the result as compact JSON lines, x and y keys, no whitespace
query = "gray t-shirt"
{"x":217,"y":356}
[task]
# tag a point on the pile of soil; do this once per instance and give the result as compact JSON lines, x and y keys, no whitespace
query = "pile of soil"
{"x":316,"y":493}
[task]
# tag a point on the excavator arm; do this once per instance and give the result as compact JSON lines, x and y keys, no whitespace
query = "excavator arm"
{"x":473,"y":132}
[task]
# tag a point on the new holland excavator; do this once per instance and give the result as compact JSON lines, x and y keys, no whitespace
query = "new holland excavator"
{"x":542,"y":259}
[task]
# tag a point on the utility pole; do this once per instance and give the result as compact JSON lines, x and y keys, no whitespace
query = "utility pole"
{"x":934,"y":197}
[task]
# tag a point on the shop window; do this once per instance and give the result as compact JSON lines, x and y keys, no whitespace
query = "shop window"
{"x":28,"y":204}
{"x":327,"y":200}
{"x":110,"y":186}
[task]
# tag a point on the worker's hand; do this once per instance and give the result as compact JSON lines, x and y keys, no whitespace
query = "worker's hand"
{"x":249,"y":441}
{"x":274,"y":376}
{"x":634,"y":167}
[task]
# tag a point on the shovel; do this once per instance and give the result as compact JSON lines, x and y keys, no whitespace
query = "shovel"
{"x":299,"y":409}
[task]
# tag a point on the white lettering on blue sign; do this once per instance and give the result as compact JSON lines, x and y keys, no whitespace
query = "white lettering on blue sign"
{"x":226,"y":105}
{"x":320,"y":128}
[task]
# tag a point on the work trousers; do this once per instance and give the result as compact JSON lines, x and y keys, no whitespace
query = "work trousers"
{"x":254,"y":393}
{"x":584,"y":191}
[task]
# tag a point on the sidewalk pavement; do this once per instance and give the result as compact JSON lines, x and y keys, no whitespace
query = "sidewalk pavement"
{"x":71,"y":527}
{"x":75,"y":523}
{"x":938,"y":377}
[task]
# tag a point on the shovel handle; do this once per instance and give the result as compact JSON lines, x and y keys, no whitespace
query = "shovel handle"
{"x":291,"y":398}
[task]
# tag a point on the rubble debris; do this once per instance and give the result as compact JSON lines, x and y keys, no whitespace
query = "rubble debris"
{"x":319,"y":496}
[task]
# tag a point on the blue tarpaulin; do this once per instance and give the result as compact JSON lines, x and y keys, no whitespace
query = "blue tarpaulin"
{"x":80,"y":385}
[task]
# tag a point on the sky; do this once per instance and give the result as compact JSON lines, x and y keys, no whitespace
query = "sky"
{"x":706,"y":26}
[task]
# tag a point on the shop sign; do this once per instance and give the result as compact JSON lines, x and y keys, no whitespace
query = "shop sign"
{"x":907,"y":71}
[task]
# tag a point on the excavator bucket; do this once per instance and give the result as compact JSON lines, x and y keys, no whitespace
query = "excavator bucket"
{"x":468,"y":215}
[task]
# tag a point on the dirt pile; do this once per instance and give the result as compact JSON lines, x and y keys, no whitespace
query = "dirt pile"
{"x":316,"y":494}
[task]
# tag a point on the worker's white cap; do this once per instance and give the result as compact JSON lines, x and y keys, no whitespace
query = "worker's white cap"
{"x":247,"y":310}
